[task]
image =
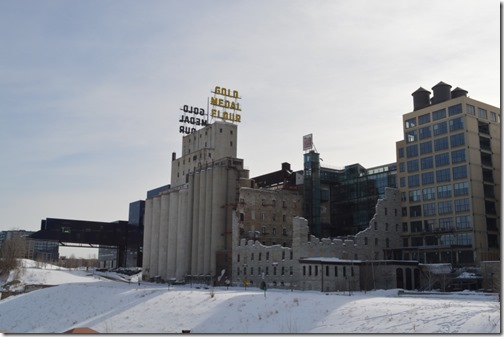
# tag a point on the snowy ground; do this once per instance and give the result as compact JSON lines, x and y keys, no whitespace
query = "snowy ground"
{"x":81,"y":299}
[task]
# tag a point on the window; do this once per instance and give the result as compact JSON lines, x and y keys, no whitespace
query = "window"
{"x":426,"y":147}
{"x":443,"y":175}
{"x":493,"y":116}
{"x":401,"y":167}
{"x":463,"y":221}
{"x":446,"y":223}
{"x":470,"y":109}
{"x":429,"y":193}
{"x":402,"y":182}
{"x":412,"y":151}
{"x":439,"y":128}
{"x":456,"y":124}
{"x":424,"y":132}
{"x":412,"y":165}
{"x":411,"y":136}
{"x":442,"y":159}
{"x":410,"y":123}
{"x":415,"y":242}
{"x":438,"y":114}
{"x":457,"y":140}
{"x":426,"y":163}
{"x":415,"y":211}
{"x":259,"y":257}
{"x":427,"y":178}
{"x":415,"y":196}
{"x":444,"y":191}
{"x":401,"y":152}
{"x":423,"y":119}
{"x":458,"y":156}
{"x":414,"y":180}
{"x":252,"y":256}
{"x":336,"y":271}
{"x":461,"y":205}
{"x":274,"y":230}
{"x":464,"y":239}
{"x":429,"y":209}
{"x":482,"y":113}
{"x":365,"y":241}
{"x":459,"y":172}
{"x":404,"y":226}
{"x":455,"y":109}
{"x":416,"y":226}
{"x":267,"y":256}
{"x":445,"y":207}
{"x":461,"y":189}
{"x":441,"y":144}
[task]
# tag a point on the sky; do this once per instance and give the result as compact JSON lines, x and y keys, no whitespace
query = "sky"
{"x":82,"y":299}
{"x":91,"y":91}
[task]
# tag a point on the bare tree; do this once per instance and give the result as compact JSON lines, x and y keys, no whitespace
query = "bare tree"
{"x":12,"y":250}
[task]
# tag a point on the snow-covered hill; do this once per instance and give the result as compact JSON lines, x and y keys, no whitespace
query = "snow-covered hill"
{"x":81,"y":299}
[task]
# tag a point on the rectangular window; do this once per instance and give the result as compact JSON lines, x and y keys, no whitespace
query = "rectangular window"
{"x":443,"y":175}
{"x":415,"y":211}
{"x":456,"y":124}
{"x":336,"y":271}
{"x":429,"y":193}
{"x":457,"y":140}
{"x":463,"y":221}
{"x":414,"y":180}
{"x":455,"y":109}
{"x":402,"y":182}
{"x":401,"y":167}
{"x":412,"y":151}
{"x":438,"y":114}
{"x":439,"y":128}
{"x":461,"y":189}
{"x":413,"y":165}
{"x":446,"y":223}
{"x":441,"y":144}
{"x":482,"y":113}
{"x":426,"y":147}
{"x":464,"y":239}
{"x":459,"y":172}
{"x":461,"y":205}
{"x":414,"y":196}
{"x":426,"y":163}
{"x":423,"y":119}
{"x":427,"y":178}
{"x":424,"y":132}
{"x":410,"y":123}
{"x":416,"y":226}
{"x":429,"y":209}
{"x":470,"y":109}
{"x":444,"y":191}
{"x":401,"y":152}
{"x":442,"y":159}
{"x":445,"y":207}
{"x":458,"y":156}
{"x":493,"y":116}
{"x":411,"y":136}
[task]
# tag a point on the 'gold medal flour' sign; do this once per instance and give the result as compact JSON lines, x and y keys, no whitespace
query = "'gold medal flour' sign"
{"x":225,"y":104}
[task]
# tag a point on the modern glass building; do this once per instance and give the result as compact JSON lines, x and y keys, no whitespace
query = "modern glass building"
{"x":449,"y":178}
{"x":341,"y":202}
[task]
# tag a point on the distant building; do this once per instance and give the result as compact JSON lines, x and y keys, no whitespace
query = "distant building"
{"x":39,"y":250}
{"x":450,"y":178}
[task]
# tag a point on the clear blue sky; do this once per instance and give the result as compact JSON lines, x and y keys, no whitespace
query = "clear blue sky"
{"x":90,"y":91}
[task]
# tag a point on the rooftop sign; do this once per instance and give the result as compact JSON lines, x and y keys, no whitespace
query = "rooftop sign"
{"x":225,"y":104}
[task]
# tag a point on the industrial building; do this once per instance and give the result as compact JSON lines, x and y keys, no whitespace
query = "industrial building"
{"x":188,"y":224}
